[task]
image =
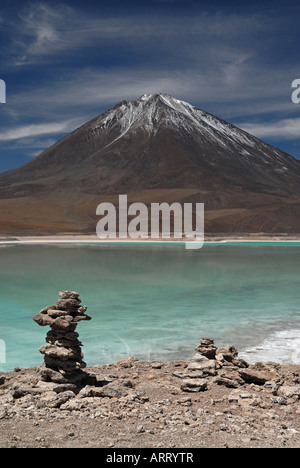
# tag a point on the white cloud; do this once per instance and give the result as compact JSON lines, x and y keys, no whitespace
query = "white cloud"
{"x":93,"y":90}
{"x":38,"y":32}
{"x":44,"y":33}
{"x":213,"y":61}
{"x":288,"y":129}
{"x":206,"y":59}
{"x":29,"y":131}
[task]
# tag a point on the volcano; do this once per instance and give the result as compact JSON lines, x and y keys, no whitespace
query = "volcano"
{"x":154,"y":149}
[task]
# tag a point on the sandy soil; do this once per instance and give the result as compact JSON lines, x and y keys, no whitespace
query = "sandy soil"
{"x":142,"y":404}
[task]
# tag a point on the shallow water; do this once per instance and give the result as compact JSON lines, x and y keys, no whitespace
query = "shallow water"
{"x":155,"y":302}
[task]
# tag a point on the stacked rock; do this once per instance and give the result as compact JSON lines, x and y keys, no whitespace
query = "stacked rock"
{"x":207,"y":348}
{"x":221,"y":366}
{"x":63,"y":358}
{"x":202,"y":365}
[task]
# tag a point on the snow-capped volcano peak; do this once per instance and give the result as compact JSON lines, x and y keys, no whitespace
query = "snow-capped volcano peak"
{"x":151,"y":103}
{"x":152,"y":112}
{"x":163,"y":98}
{"x":149,"y":112}
{"x":168,"y":100}
{"x":158,"y":112}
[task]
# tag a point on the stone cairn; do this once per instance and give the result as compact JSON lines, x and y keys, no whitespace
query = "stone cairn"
{"x":63,"y":358}
{"x":222,"y":365}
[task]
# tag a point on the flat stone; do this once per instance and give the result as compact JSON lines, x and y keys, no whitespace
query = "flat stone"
{"x":20,"y":392}
{"x":207,"y":348}
{"x":68,"y":295}
{"x":63,"y":342}
{"x":61,"y":352}
{"x":62,"y":398}
{"x":63,"y":365}
{"x":79,"y":318}
{"x":50,"y":375}
{"x":289,"y":391}
{"x":206,"y":341}
{"x":43,"y":320}
{"x":202,"y":362}
{"x":54,"y":313}
{"x":240,"y":363}
{"x":200,"y":366}
{"x":194,"y":385}
{"x":279,"y":400}
{"x":228,"y":353}
{"x":68,"y":304}
{"x":230,"y":383}
{"x":62,"y":323}
{"x":59,"y":388}
{"x":111,"y":390}
{"x":70,"y":337}
{"x":45,"y":309}
{"x":259,"y":377}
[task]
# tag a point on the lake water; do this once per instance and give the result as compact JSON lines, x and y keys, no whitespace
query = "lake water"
{"x":154,"y":302}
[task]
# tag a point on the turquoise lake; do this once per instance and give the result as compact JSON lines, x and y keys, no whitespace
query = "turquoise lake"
{"x":154,"y":301}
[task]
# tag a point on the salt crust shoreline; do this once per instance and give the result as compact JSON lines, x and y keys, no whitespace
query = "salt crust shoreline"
{"x":82,"y":239}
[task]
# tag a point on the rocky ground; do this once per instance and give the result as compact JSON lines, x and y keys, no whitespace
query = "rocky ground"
{"x":216,"y":400}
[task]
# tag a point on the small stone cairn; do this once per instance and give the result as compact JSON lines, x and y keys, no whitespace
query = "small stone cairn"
{"x":221,"y":365}
{"x":63,"y":358}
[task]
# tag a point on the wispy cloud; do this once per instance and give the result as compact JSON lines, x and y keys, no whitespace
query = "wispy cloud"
{"x":221,"y":62}
{"x":216,"y":59}
{"x":29,"y":131}
{"x":288,"y":129}
{"x":92,"y":90}
{"x":45,"y":33}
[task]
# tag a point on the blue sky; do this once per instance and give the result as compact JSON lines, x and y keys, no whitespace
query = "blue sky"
{"x":66,"y":62}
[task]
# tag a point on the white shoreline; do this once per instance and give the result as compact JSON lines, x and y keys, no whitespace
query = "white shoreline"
{"x":89,"y":241}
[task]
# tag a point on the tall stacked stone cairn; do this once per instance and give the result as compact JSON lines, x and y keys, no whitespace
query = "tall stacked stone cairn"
{"x":63,"y":358}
